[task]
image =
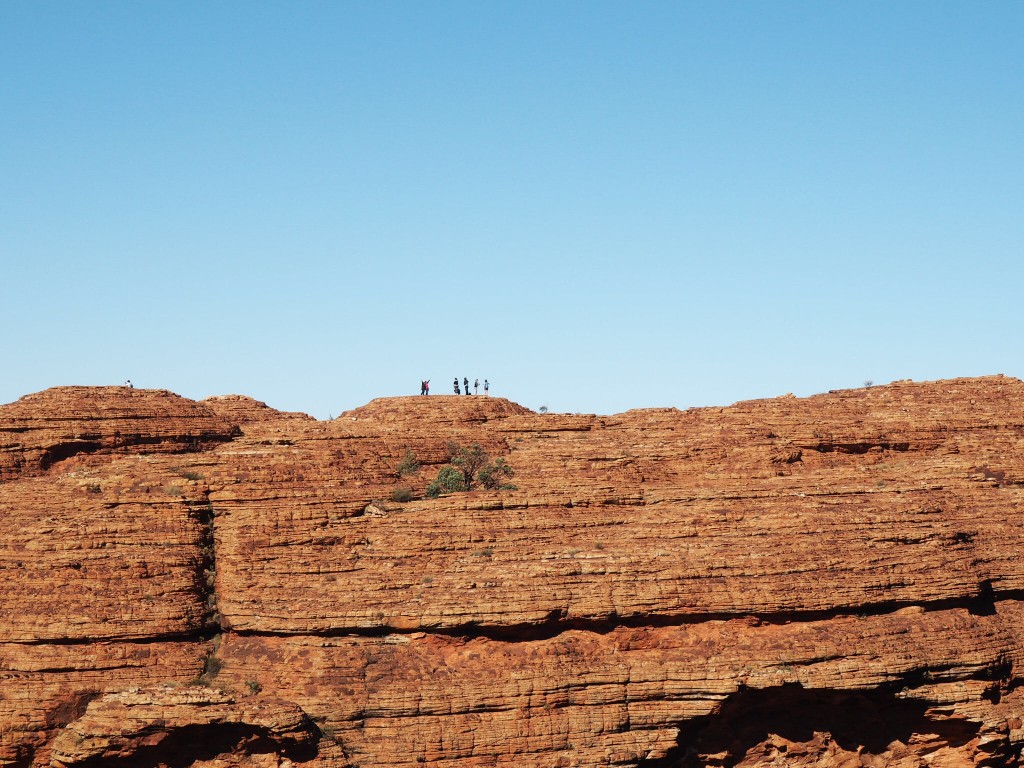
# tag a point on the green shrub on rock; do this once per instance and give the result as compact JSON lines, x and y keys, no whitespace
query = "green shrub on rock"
{"x":493,"y":476}
{"x":409,"y":465}
{"x":468,"y":468}
{"x":449,"y":480}
{"x":402,"y":494}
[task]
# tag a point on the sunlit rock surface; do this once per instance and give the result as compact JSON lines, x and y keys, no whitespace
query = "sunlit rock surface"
{"x":830,"y":581}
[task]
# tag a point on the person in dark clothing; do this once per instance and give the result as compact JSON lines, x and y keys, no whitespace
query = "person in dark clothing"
{"x":476,"y":386}
{"x":487,"y":386}
{"x":457,"y":390}
{"x":465,"y":383}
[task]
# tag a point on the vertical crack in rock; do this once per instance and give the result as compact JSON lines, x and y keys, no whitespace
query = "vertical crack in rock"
{"x":206,"y":585}
{"x":206,"y":568}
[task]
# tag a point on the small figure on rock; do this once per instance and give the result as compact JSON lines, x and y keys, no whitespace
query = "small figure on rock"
{"x":465,"y":383}
{"x":476,"y":386}
{"x":457,"y":390}
{"x":426,"y":387}
{"x":487,"y":386}
{"x":129,"y":384}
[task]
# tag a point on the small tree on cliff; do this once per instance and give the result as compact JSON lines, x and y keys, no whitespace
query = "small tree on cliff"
{"x":469,"y":467}
{"x":494,"y":476}
{"x":468,"y":461}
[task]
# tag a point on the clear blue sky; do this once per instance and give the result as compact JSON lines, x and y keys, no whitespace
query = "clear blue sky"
{"x":597,"y":206}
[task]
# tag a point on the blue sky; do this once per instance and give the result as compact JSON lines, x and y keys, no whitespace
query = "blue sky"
{"x":597,"y":206}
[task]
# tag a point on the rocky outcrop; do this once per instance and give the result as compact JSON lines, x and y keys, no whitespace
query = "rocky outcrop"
{"x":239,"y":409}
{"x":47,"y":686}
{"x":184,"y":725}
{"x":833,"y":580}
{"x":47,"y":428}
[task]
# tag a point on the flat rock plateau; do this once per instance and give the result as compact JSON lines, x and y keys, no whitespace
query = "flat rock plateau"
{"x":831,"y":581}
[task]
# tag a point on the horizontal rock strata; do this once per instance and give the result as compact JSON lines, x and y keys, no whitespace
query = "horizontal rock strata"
{"x":833,"y":580}
{"x":47,"y":428}
{"x":622,"y":697}
{"x":44,"y":687}
{"x":172,"y":724}
{"x":99,"y":559}
{"x":653,"y":514}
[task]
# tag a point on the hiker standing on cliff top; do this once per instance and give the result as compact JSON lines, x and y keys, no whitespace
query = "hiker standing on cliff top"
{"x":487,"y":386}
{"x":457,"y":390}
{"x":465,"y":383}
{"x":426,"y":387}
{"x":476,"y":386}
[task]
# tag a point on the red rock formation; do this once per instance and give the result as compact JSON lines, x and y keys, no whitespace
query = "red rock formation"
{"x":239,"y":409}
{"x":826,"y":581}
{"x":50,"y":427}
{"x":181,"y":725}
{"x":46,"y":686}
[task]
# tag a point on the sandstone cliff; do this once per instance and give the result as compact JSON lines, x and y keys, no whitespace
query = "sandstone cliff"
{"x":834,"y":580}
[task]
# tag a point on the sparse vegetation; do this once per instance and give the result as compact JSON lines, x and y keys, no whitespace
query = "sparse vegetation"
{"x":191,"y":475}
{"x":494,"y":476}
{"x":409,"y":465}
{"x":211,"y":667}
{"x":450,"y":479}
{"x":468,"y":461}
{"x":468,"y":468}
{"x":402,"y":494}
{"x":253,"y":686}
{"x":206,"y":565}
{"x":93,"y":488}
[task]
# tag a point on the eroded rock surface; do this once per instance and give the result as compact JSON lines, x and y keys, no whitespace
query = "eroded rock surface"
{"x":168,"y":725}
{"x":50,"y":427}
{"x":829,"y":581}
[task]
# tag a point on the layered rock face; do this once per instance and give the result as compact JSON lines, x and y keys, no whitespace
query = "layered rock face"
{"x":834,"y":580}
